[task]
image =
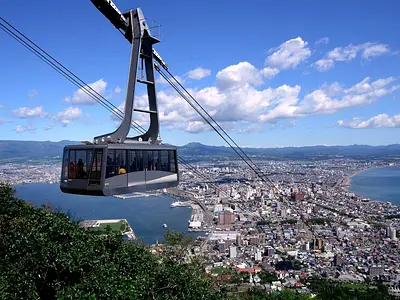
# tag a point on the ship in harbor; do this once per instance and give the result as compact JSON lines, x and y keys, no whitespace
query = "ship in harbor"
{"x":180,"y":203}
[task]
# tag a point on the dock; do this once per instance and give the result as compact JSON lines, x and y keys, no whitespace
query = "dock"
{"x":136,"y":195}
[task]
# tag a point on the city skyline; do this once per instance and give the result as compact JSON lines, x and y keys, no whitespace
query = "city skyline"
{"x":310,"y":78}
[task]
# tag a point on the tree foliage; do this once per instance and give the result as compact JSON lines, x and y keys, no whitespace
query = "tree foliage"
{"x":335,"y":290}
{"x":45,"y":255}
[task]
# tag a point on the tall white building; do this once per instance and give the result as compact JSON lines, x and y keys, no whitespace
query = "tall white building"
{"x":393,"y":234}
{"x":232,"y":252}
{"x":258,"y":255}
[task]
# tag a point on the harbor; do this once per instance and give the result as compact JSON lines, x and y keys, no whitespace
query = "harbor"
{"x":196,"y":221}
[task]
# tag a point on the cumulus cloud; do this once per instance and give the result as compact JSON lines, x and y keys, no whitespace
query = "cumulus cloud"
{"x":25,"y":128}
{"x":289,"y":54}
{"x":323,"y":40}
{"x":237,"y":75}
{"x":245,"y":104}
{"x":67,"y":115}
{"x":331,"y":98}
{"x":199,"y":73}
{"x":324,"y":64}
{"x":237,"y":101}
{"x":26,"y":112}
{"x":80,"y":97}
{"x":350,"y":52}
{"x":269,"y":73}
{"x":32,"y":93}
{"x":378,"y":121}
{"x":240,"y":101}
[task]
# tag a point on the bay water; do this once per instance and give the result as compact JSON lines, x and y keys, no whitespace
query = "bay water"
{"x":381,"y":184}
{"x":146,"y":215}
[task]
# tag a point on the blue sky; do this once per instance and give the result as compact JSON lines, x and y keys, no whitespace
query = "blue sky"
{"x":288,"y":73}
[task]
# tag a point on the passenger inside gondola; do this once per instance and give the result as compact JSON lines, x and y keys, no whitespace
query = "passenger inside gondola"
{"x":109,"y":168}
{"x":80,"y":172}
{"x":72,"y":170}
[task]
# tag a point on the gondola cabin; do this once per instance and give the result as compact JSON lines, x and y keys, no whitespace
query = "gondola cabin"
{"x":111,"y":169}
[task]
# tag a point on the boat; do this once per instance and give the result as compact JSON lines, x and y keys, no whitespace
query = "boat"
{"x":180,"y":204}
{"x":176,"y":203}
{"x":164,"y":225}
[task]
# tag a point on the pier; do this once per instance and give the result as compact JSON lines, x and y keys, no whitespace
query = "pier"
{"x":136,"y":195}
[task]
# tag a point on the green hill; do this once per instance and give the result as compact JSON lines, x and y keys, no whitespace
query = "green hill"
{"x":45,"y":255}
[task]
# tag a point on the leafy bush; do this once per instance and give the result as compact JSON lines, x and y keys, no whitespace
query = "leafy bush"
{"x":45,"y":255}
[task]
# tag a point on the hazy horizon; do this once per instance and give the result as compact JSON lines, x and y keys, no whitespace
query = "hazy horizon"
{"x":225,"y":145}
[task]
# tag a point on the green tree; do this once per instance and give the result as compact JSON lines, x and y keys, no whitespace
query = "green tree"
{"x":45,"y":255}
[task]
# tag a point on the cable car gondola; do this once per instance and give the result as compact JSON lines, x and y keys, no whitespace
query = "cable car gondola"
{"x":114,"y":163}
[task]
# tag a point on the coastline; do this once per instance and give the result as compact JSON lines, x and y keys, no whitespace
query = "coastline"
{"x":345,"y":183}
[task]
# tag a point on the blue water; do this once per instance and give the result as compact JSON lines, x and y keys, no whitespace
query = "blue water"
{"x":145,"y":215}
{"x":378,"y":184}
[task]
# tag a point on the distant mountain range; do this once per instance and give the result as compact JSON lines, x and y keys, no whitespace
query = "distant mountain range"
{"x":37,"y":151}
{"x":305,"y":152}
{"x":20,"y":151}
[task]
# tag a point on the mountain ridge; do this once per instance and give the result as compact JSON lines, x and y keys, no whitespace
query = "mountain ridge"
{"x":12,"y":150}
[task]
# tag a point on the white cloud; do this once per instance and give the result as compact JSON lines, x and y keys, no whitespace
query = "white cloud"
{"x":240,"y":74}
{"x":289,"y":54}
{"x":239,"y":99}
{"x":324,"y":64}
{"x":196,"y":127}
{"x":117,"y":90}
{"x":1,"y":106}
{"x":331,"y":98}
{"x":323,"y":40}
{"x":26,"y":112}
{"x":378,"y":121}
{"x":237,"y":103}
{"x":199,"y":73}
{"x":81,"y":97}
{"x":32,"y":93}
{"x":372,"y":50}
{"x":343,"y":54}
{"x":49,"y":126}
{"x":285,"y":105}
{"x":67,"y":115}
{"x":269,"y":73}
{"x":251,"y":129}
{"x":350,"y":52}
{"x":21,"y":128}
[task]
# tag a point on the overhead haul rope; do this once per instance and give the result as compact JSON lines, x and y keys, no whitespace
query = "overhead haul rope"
{"x":109,"y":106}
{"x":257,"y":172}
{"x":229,"y":137}
{"x":55,"y":64}
{"x":87,"y":89}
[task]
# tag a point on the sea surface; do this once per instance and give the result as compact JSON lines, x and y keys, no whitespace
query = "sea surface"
{"x":378,"y":184}
{"x":146,"y":215}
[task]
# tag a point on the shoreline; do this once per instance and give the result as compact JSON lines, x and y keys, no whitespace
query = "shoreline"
{"x":345,"y":183}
